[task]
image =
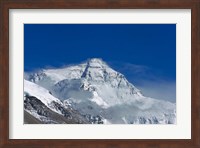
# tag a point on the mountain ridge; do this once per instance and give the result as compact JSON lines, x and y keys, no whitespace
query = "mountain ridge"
{"x":95,"y":89}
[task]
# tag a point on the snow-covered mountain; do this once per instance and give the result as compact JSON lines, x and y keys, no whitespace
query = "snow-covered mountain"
{"x":98,"y":93}
{"x":40,"y":103}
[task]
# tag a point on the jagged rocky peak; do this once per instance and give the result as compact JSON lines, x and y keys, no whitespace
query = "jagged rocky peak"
{"x":97,"y":69}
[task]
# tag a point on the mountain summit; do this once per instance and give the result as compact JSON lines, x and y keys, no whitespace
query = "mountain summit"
{"x":96,"y":61}
{"x":95,"y":90}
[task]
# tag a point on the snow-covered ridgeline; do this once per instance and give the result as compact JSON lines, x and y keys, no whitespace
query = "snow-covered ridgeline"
{"x":42,"y":94}
{"x":96,"y":89}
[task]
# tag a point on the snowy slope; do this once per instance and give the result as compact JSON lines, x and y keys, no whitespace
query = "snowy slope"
{"x":42,"y":94}
{"x":49,"y":77}
{"x":95,"y":89}
{"x":40,"y":104}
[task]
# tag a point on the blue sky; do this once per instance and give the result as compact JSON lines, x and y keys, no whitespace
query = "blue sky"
{"x":144,"y":53}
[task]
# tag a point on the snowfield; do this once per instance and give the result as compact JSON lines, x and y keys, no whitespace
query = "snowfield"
{"x":99,"y":93}
{"x":41,"y":93}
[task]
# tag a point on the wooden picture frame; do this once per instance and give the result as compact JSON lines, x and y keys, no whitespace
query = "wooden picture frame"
{"x":5,"y":5}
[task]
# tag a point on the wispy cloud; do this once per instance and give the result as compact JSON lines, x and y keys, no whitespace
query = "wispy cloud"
{"x":160,"y":89}
{"x":135,"y":72}
{"x":134,"y":68}
{"x":150,"y":81}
